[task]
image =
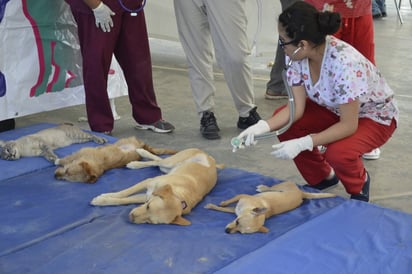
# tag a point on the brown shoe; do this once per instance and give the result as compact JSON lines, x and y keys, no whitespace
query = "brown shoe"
{"x":272,"y":95}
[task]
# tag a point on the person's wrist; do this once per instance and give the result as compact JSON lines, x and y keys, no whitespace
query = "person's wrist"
{"x":264,"y":126}
{"x":99,"y":5}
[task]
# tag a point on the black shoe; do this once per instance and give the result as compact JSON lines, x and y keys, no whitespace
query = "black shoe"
{"x":325,"y":183}
{"x":245,"y":122}
{"x":376,"y":16}
{"x":364,"y":194}
{"x":208,"y":126}
{"x":8,"y":124}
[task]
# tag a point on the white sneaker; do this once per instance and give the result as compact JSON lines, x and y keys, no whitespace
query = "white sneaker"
{"x":322,"y":149}
{"x":374,"y":154}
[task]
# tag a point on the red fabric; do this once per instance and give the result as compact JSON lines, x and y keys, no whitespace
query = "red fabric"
{"x":359,"y":32}
{"x":128,"y":41}
{"x":347,"y":8}
{"x":357,"y":26}
{"x":344,"y":156}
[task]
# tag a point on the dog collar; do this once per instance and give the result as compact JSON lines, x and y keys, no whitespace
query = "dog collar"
{"x":184,"y":204}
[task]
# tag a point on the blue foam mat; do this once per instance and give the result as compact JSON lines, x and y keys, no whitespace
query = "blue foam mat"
{"x":354,"y":237}
{"x":48,"y":226}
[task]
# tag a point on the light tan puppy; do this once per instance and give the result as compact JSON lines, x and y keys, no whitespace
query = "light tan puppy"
{"x":190,"y":175}
{"x":89,"y":163}
{"x":253,"y":210}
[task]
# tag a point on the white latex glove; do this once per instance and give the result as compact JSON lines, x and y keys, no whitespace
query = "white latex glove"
{"x":259,"y":128}
{"x":288,"y":150}
{"x":103,"y":15}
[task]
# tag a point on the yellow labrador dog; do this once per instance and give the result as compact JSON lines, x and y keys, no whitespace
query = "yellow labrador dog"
{"x":89,"y":163}
{"x":253,"y":210}
{"x":190,"y":175}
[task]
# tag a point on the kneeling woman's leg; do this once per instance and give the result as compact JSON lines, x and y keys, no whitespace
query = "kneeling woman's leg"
{"x":345,"y":156}
{"x":311,"y":164}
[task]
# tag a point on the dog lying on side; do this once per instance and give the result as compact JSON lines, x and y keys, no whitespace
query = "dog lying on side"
{"x":43,"y":143}
{"x":190,"y":175}
{"x":253,"y":210}
{"x":89,"y":163}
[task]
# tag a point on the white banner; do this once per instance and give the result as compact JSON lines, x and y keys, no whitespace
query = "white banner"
{"x":40,"y":63}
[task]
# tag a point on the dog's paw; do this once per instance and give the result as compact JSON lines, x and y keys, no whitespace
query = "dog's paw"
{"x":57,"y":162}
{"x":133,"y":165}
{"x":262,"y":188}
{"x":210,"y":206}
{"x":100,"y":201}
{"x":103,"y":199}
{"x":100,"y":140}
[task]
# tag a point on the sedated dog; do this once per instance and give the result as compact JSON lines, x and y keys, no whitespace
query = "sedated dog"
{"x":190,"y":175}
{"x":89,"y":163}
{"x":253,"y":210}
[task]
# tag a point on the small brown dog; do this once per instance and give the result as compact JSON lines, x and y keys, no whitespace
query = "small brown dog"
{"x":253,"y":210}
{"x":190,"y":175}
{"x":89,"y":163}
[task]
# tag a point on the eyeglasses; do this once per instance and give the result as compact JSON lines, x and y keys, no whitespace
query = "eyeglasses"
{"x":283,"y":44}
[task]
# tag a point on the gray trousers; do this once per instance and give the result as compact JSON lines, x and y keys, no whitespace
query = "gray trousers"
{"x":216,"y":27}
{"x":275,"y":83}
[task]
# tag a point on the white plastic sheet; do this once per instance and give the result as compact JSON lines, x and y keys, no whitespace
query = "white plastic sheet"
{"x":40,"y":61}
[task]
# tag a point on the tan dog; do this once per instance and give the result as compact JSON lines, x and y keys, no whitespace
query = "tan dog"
{"x":253,"y":210}
{"x":190,"y":175}
{"x":88,"y":164}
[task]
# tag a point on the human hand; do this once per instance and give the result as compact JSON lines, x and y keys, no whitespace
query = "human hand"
{"x":288,"y":150}
{"x":103,"y":16}
{"x":259,"y":128}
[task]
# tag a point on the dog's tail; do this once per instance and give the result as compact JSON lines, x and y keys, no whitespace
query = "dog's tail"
{"x":320,"y":195}
{"x":159,"y":151}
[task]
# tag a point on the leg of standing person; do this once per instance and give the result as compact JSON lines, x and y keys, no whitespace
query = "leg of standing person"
{"x":275,"y":88}
{"x":194,"y":34}
{"x":376,"y":11}
{"x":224,"y":22}
{"x":97,"y":49}
{"x":359,"y":32}
{"x":228,"y":24}
{"x":133,"y":54}
{"x":382,"y":7}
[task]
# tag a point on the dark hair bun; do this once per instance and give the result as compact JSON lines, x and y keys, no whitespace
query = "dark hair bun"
{"x":329,"y":22}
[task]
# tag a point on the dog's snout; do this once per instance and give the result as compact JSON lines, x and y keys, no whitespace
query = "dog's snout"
{"x":227,"y":230}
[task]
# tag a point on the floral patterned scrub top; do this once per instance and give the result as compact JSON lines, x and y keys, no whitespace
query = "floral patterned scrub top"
{"x":345,"y":76}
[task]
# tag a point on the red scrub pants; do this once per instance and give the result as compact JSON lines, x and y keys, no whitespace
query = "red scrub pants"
{"x":344,"y":156}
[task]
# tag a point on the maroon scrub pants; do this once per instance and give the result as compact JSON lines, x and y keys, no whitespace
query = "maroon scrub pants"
{"x":128,"y":41}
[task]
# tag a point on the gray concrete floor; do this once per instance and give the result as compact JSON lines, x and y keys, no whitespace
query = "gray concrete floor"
{"x":391,"y":175}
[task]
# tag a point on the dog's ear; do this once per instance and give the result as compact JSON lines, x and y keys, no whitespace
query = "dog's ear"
{"x":259,"y":210}
{"x":92,"y":174}
{"x":179,"y":220}
{"x":263,"y":229}
{"x":163,"y":191}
